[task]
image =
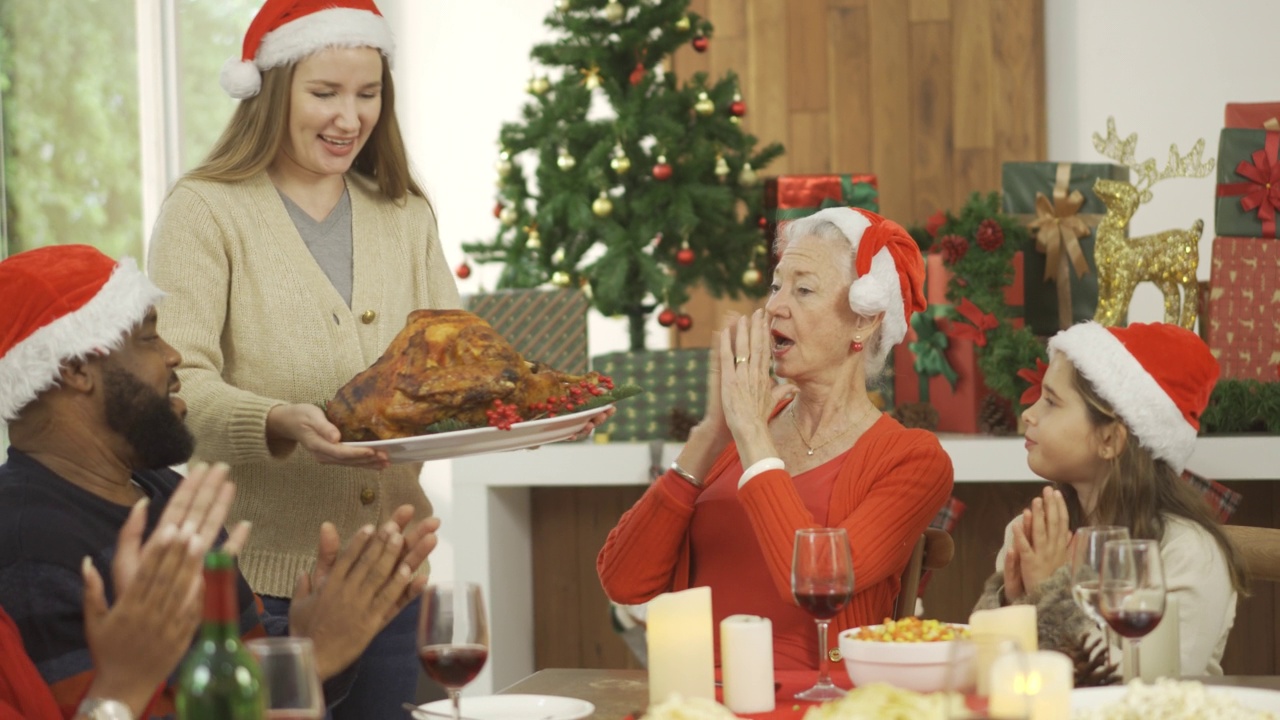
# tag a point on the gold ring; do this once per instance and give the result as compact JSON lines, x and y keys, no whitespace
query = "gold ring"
{"x":739,"y":360}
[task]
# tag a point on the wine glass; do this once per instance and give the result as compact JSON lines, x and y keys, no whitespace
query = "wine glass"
{"x":822,"y":583}
{"x":1086,"y":564}
{"x":290,"y":678}
{"x":453,"y":637}
{"x":1131,"y":590}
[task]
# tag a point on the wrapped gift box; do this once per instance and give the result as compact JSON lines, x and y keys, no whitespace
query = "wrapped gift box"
{"x":673,"y":380}
{"x":937,"y":280}
{"x":922,"y":363}
{"x":548,"y":326}
{"x":1251,"y":116}
{"x":1057,"y":203}
{"x":1248,"y":183}
{"x":791,"y":197}
{"x":1244,"y":294}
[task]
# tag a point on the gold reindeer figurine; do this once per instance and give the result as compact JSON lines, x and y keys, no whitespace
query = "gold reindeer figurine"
{"x":1169,"y":258}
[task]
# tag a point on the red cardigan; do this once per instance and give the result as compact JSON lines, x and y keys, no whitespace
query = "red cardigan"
{"x":23,"y":694}
{"x":890,"y":487}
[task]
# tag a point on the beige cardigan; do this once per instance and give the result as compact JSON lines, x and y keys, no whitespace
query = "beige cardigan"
{"x":259,"y":324}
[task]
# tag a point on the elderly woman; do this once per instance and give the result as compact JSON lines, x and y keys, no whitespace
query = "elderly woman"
{"x":769,"y":459}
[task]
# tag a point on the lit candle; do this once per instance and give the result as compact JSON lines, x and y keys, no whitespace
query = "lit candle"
{"x":746,"y":663}
{"x":1033,"y":685}
{"x":1016,"y":623}
{"x":681,"y":649}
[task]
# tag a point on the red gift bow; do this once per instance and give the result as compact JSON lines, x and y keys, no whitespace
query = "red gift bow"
{"x":1262,"y":192}
{"x":977,"y":332}
{"x":1036,"y":377}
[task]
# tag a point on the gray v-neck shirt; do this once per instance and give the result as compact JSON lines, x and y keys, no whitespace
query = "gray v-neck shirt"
{"x":329,"y":240}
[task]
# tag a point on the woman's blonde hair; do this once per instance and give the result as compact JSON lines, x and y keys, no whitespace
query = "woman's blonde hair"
{"x":1139,"y":490}
{"x":256,"y":131}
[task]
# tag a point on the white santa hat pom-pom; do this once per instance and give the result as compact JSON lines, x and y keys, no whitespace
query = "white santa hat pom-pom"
{"x":880,"y":291}
{"x":240,"y":78}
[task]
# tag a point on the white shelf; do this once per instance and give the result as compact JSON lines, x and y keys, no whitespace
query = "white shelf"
{"x":491,"y":526}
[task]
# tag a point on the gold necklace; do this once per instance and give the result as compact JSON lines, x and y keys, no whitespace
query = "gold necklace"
{"x":815,"y":448}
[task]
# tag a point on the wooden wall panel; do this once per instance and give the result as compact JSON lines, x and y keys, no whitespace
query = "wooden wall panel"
{"x":930,"y":95}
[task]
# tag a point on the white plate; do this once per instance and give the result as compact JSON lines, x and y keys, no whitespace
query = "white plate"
{"x":516,"y":707}
{"x":477,"y":441}
{"x":1252,"y":698}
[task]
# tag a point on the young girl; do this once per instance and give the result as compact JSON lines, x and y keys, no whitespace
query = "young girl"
{"x":1115,"y":422}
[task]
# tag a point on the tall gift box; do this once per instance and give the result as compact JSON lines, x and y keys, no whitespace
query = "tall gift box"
{"x":791,"y":197}
{"x":1253,"y":116}
{"x":931,"y":367}
{"x":1244,"y":296}
{"x":549,"y":326}
{"x":1057,"y":202}
{"x":672,"y":380}
{"x":1248,"y":182}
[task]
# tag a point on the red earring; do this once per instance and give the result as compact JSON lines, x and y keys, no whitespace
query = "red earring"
{"x":857,"y":343}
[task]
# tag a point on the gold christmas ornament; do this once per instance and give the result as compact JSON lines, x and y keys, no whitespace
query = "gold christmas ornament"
{"x":620,"y":162}
{"x":503,"y":165}
{"x":747,"y":176}
{"x":508,"y":216}
{"x":722,"y":167}
{"x":751,"y":277}
{"x":585,"y":284}
{"x":1169,"y":258}
{"x":561,"y":278}
{"x":704,"y":106}
{"x":535,"y":240}
{"x":683,"y":24}
{"x":602,"y":206}
{"x":591,"y":77}
{"x":614,"y":12}
{"x":565,"y":161}
{"x":562,"y":5}
{"x":539,"y":85}
{"x":558,"y":256}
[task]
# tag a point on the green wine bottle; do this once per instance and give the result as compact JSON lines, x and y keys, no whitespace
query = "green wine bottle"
{"x":219,"y":679}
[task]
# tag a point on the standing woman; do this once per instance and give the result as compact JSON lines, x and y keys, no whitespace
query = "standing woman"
{"x":292,"y":256}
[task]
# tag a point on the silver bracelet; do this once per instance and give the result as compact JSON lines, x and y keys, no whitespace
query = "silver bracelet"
{"x":688,"y":476}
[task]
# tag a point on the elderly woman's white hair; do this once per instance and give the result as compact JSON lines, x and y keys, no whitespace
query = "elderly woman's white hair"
{"x":886,"y":266}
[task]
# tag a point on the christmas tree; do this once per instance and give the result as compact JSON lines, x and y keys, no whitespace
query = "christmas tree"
{"x":640,"y":204}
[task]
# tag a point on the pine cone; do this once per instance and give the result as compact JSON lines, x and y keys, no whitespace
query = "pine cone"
{"x":1093,"y":667}
{"x":916,"y":415}
{"x":681,"y":423}
{"x":953,"y":248}
{"x":996,"y":416}
{"x":990,"y":235}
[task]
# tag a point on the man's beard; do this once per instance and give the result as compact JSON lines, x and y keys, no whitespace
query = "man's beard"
{"x":146,"y":420}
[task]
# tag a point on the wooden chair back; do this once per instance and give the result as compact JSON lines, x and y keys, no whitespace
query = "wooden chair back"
{"x":933,"y":551}
{"x":1259,"y":548}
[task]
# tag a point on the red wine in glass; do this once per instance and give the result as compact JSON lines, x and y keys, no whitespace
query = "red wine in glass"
{"x":453,"y":666}
{"x":823,"y":604}
{"x":1133,"y":623}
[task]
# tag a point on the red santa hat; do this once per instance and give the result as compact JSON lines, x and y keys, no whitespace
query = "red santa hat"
{"x":1157,"y":377}
{"x":62,"y":302}
{"x":285,"y":31}
{"x":888,"y":266}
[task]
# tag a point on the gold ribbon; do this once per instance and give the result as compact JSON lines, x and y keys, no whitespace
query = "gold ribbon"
{"x":1058,"y":225}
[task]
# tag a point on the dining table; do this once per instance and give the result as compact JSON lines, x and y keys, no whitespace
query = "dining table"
{"x":619,"y":694}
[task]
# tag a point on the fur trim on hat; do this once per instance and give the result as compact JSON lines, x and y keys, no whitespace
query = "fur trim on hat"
{"x":240,"y":79}
{"x":335,"y":27}
{"x":1125,"y":384}
{"x":33,"y":365}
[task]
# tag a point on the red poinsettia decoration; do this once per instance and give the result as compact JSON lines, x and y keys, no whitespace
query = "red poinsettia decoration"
{"x":1036,"y":377}
{"x":953,"y":248}
{"x":990,"y":235}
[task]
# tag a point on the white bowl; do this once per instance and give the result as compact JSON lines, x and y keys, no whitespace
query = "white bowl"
{"x":918,"y":666}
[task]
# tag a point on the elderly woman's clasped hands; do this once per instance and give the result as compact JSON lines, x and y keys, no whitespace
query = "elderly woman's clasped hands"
{"x":1042,"y":543}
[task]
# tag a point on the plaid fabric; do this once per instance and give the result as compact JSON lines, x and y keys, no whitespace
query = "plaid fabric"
{"x":1222,"y":500}
{"x":946,"y":520}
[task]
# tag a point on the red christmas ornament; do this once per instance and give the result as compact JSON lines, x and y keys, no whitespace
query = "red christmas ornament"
{"x":700,"y":43}
{"x":685,"y":256}
{"x":684,"y":322}
{"x":662,"y":172}
{"x":463,"y":271}
{"x":497,"y":209}
{"x":763,"y":222}
{"x":737,"y":108}
{"x":990,"y":235}
{"x":637,"y":75}
{"x":667,"y":318}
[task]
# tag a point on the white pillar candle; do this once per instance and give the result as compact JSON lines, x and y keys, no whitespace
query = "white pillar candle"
{"x":746,"y":663}
{"x":1034,"y":685}
{"x":681,"y":648}
{"x":1161,"y":648}
{"x":1016,"y":622}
